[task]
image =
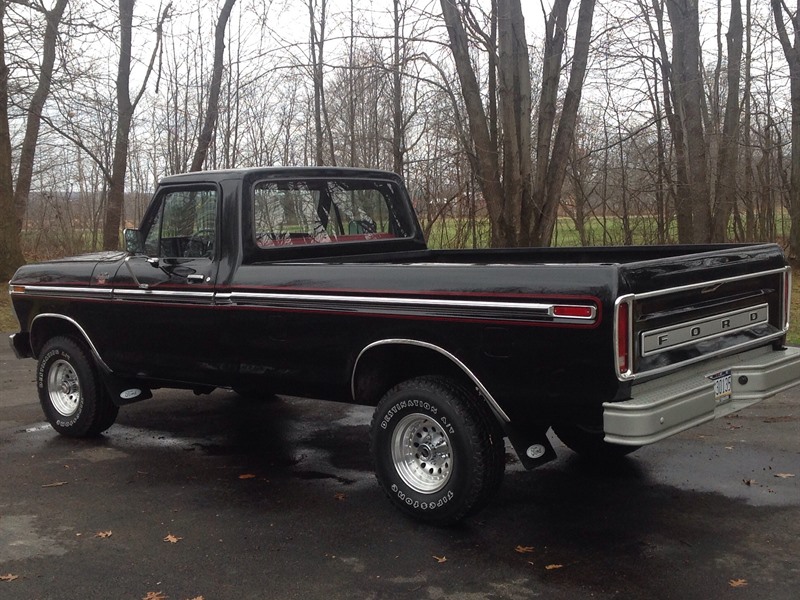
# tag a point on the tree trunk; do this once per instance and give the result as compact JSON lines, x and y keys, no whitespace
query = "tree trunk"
{"x":688,"y":92}
{"x":125,"y":110}
{"x":792,"y":54}
{"x":212,"y":111}
{"x":547,"y":199}
{"x":17,"y":198}
{"x":398,"y":150}
{"x":10,"y":248}
{"x":729,"y":144}
{"x":119,"y":164}
{"x":683,"y":204}
{"x":485,"y":157}
{"x":555,"y":31}
{"x":515,"y":117}
{"x":28,"y":151}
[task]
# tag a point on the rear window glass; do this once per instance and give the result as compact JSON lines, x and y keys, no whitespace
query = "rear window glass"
{"x":324,"y":211}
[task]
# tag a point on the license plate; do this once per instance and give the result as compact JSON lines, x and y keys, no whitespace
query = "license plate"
{"x":722,"y":385}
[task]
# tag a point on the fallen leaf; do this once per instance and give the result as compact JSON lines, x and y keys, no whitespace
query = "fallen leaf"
{"x":8,"y":577}
{"x":247,"y":476}
{"x":748,"y":481}
{"x":737,"y":583}
{"x":340,"y":496}
{"x":440,"y":559}
{"x":155,"y":596}
{"x":551,"y":567}
{"x":56,"y":484}
{"x":728,"y":447}
{"x":524,"y":549}
{"x":784,"y":475}
{"x":103,"y":534}
{"x":172,"y":539}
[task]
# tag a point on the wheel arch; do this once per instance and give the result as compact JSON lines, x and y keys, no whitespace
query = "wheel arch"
{"x":47,"y":325}
{"x":385,"y":363}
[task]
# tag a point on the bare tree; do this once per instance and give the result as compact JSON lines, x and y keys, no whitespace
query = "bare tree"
{"x":551,"y":165}
{"x":486,"y":159}
{"x":212,"y":110}
{"x":10,"y":243}
{"x":728,"y":157}
{"x":125,"y":110}
{"x":10,"y":247}
{"x":689,"y":101}
{"x":792,"y":53}
{"x":522,"y":202}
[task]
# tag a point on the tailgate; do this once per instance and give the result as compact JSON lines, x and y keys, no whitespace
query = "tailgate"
{"x":685,"y":309}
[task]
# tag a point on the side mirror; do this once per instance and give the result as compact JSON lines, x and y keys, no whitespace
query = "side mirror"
{"x":134,"y":241}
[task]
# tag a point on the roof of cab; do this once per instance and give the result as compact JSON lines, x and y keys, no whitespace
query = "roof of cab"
{"x":276,"y":172}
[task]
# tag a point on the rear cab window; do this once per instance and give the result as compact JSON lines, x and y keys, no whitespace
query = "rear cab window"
{"x":302,"y":212}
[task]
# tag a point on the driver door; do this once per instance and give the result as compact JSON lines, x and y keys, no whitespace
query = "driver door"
{"x":164,"y":297}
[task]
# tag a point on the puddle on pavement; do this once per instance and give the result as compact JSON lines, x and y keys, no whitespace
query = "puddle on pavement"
{"x":19,"y":540}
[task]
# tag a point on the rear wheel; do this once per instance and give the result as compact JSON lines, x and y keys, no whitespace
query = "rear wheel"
{"x":73,"y":398}
{"x":589,"y":443}
{"x":438,"y":453}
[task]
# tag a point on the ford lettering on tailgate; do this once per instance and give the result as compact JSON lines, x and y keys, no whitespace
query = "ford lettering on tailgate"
{"x":661,"y":340}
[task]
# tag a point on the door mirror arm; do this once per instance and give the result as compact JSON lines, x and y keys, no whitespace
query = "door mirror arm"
{"x":139,"y":284}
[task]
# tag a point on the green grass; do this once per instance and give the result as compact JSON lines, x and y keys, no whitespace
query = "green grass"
{"x":794,"y":322}
{"x":7,"y":320}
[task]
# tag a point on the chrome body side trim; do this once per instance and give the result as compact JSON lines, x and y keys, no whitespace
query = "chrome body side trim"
{"x":61,"y":290}
{"x":533,"y":312}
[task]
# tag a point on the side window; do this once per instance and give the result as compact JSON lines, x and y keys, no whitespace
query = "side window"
{"x":324,"y":211}
{"x":185,"y":225}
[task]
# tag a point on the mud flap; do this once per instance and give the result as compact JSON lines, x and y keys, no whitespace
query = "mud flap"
{"x":532,"y":447}
{"x":124,"y":391}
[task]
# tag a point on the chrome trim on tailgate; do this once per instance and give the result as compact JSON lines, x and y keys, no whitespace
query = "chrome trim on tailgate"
{"x":655,"y":341}
{"x":632,"y":299}
{"x":663,"y":407}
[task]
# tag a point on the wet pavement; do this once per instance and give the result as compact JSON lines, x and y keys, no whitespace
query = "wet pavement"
{"x":222,"y":498}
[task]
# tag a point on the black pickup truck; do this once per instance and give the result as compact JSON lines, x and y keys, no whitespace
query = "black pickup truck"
{"x":317,"y":282}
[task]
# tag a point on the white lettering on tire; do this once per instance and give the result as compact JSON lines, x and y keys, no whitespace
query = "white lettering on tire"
{"x":427,"y":406}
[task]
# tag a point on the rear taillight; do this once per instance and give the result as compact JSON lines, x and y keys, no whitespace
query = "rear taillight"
{"x":575,"y":312}
{"x":622,"y":341}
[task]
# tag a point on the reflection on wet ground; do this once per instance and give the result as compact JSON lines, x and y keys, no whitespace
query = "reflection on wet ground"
{"x":277,"y":499}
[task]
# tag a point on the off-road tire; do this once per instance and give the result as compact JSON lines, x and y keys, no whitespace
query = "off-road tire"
{"x":73,"y":398}
{"x":439,"y":454}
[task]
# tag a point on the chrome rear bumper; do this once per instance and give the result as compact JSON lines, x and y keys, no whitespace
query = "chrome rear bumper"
{"x":668,"y":405}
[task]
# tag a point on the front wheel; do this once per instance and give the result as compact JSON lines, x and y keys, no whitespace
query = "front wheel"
{"x":73,"y":398}
{"x":438,"y":452}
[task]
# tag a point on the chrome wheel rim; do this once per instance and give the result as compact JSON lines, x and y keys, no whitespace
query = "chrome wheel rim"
{"x":422,"y":453}
{"x":64,"y":388}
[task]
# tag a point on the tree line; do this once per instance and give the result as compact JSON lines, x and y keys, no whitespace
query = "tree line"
{"x":579,"y":121}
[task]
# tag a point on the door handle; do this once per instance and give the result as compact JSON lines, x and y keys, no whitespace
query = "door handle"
{"x":195,"y":278}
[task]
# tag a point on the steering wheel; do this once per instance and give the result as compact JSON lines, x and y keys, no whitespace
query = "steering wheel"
{"x":200,"y":243}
